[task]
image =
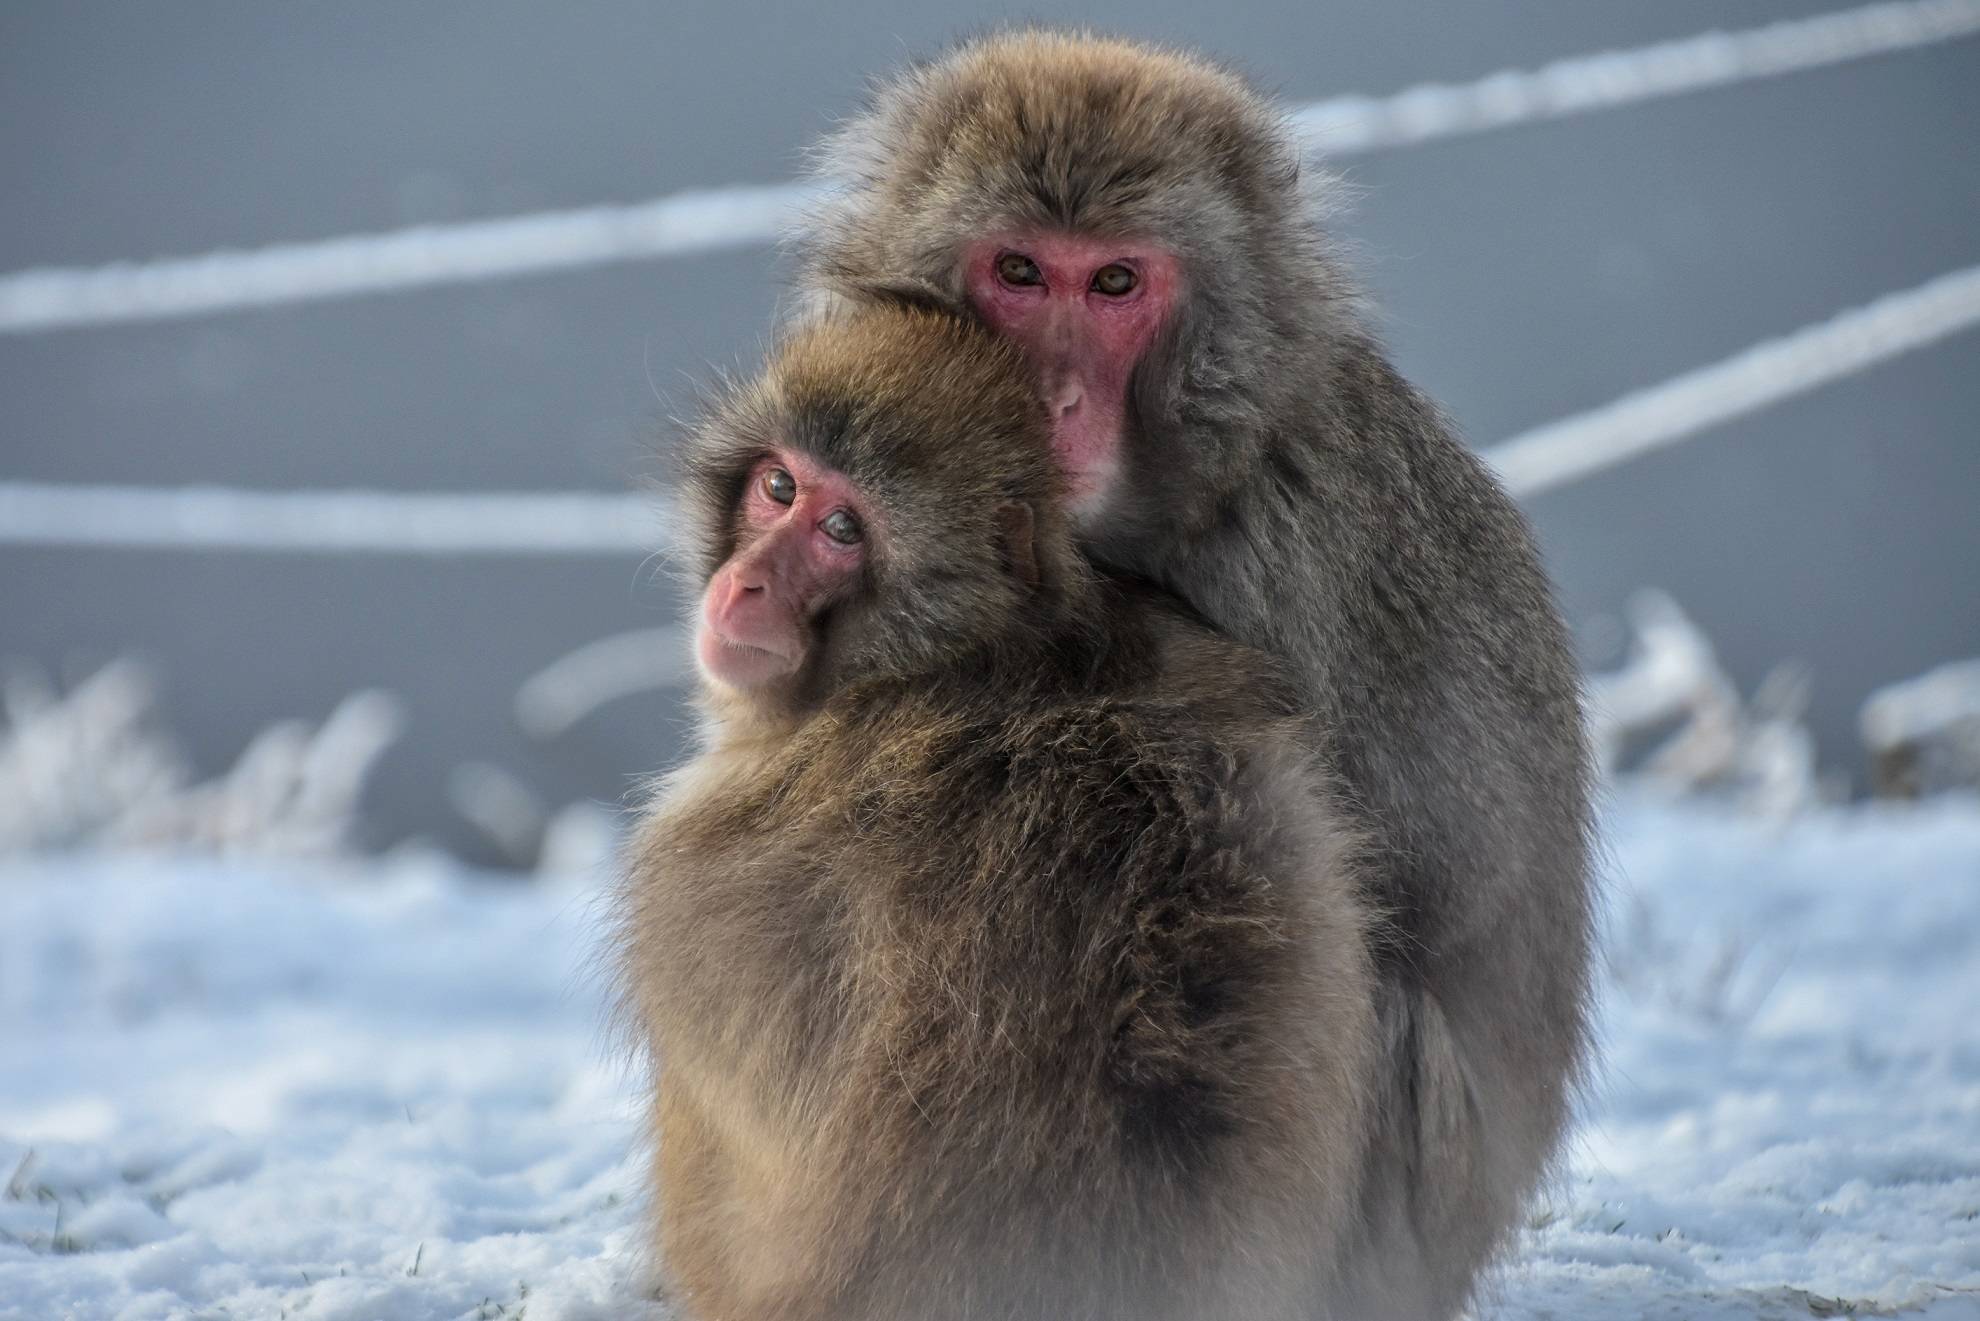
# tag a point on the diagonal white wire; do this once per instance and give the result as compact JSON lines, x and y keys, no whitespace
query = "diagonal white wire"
{"x":1750,"y":380}
{"x":385,"y":522}
{"x":701,"y":220}
{"x":574,"y":685}
{"x":709,"y":220}
{"x":1586,"y":83}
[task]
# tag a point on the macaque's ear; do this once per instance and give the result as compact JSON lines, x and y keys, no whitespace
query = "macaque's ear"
{"x":906,"y":292}
{"x":1017,"y":536}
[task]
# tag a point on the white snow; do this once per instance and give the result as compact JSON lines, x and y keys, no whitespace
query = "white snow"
{"x":1788,"y":1122}
{"x":253,"y":1089}
{"x":257,"y":1088}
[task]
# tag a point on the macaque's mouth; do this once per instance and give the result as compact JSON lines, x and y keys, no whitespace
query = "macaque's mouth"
{"x":744,"y":664}
{"x":755,"y":653}
{"x":752,"y":649}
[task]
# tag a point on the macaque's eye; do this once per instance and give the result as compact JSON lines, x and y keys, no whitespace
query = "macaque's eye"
{"x":1113,"y":280}
{"x":780,"y":486}
{"x":1018,"y":269}
{"x":842,"y":527}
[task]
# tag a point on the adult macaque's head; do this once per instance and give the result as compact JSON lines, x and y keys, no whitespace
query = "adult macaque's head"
{"x":879,"y":504}
{"x":1130,"y":216}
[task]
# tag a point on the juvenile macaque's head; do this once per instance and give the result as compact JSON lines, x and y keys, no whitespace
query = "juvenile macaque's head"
{"x":1132,"y":217}
{"x":880,"y":503}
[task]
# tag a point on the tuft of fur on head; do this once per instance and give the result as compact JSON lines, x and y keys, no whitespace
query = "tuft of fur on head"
{"x":1060,"y":128}
{"x":1045,"y":130}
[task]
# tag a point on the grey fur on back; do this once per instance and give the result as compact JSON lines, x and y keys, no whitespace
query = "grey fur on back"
{"x":1284,"y":480}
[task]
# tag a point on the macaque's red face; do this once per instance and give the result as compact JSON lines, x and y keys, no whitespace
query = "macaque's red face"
{"x":801,"y":539}
{"x":1085,"y":311}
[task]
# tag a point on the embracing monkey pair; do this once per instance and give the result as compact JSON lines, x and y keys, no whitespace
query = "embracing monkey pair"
{"x":1138,"y":862}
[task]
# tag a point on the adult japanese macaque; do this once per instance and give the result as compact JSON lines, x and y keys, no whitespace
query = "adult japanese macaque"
{"x":1139,"y":222}
{"x":1000,"y":953}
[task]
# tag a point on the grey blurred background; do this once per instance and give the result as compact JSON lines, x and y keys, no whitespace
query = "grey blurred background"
{"x":1522,"y":275}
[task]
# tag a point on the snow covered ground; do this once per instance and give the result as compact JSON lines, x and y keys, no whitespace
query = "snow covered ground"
{"x":260,"y":1090}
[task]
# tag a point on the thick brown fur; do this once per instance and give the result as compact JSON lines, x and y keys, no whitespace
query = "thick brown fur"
{"x":1017,"y":971}
{"x":1285,"y":481}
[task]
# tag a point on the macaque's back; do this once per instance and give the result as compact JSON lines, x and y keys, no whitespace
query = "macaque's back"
{"x":1008,"y":997}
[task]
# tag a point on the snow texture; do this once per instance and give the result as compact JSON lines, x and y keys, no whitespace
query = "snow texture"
{"x":265,"y":1088}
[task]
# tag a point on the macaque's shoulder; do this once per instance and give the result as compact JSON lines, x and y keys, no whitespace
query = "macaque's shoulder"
{"x":1168,"y":653}
{"x":1081,"y":771}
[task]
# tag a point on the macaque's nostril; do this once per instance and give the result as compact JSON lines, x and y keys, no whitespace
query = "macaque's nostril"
{"x":740,"y":589}
{"x":1066,"y":397}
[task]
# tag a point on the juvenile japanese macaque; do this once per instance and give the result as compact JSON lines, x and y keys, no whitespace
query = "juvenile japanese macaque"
{"x":1000,"y":954}
{"x":1138,"y":221}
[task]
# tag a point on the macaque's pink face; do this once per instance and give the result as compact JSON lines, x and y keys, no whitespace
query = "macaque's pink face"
{"x":1085,"y":311}
{"x":800,"y":542}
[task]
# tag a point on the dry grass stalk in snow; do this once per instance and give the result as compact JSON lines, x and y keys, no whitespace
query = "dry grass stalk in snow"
{"x":1924,"y":733}
{"x":1757,"y":751}
{"x":89,"y":769}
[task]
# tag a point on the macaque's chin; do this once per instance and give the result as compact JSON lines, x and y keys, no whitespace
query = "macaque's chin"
{"x":1087,"y":490}
{"x":740,"y":665}
{"x":1091,"y":462}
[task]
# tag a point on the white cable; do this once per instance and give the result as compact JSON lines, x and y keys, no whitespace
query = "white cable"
{"x":1586,"y":83}
{"x":708,"y":220}
{"x":572,"y":523}
{"x":703,"y":220}
{"x":381,"y":522}
{"x":1750,"y":380}
{"x":573,"y":686}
